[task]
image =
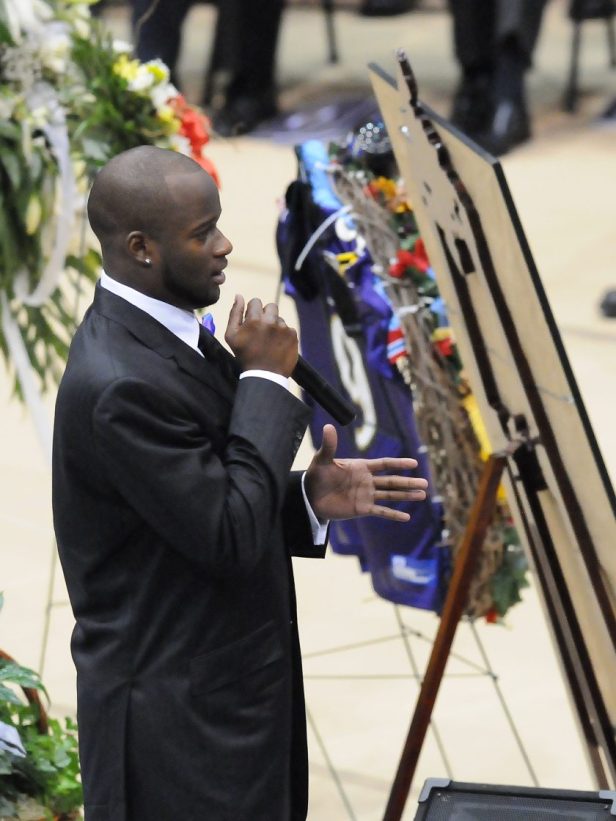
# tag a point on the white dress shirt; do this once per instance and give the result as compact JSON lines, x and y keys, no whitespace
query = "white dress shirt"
{"x":185,"y":325}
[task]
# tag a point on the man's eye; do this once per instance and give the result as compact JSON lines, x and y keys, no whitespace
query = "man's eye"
{"x":204,"y":234}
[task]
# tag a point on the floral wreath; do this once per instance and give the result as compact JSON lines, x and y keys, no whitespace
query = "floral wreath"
{"x":70,"y":99}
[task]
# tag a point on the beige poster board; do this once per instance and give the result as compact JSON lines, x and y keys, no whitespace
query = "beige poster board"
{"x":557,"y":485}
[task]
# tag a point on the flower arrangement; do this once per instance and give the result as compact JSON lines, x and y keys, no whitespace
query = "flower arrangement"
{"x":70,"y":99}
{"x":421,"y":348}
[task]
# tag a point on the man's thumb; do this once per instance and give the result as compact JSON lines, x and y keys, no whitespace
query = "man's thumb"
{"x":329,"y":443}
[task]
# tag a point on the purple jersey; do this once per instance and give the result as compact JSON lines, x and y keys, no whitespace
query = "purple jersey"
{"x":344,"y":323}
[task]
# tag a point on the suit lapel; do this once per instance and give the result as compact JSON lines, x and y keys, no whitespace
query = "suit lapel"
{"x":155,"y":336}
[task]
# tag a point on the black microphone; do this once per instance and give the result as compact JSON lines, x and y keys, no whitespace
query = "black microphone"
{"x":323,"y":393}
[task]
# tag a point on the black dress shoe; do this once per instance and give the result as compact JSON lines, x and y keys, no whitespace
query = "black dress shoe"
{"x":240,"y":115}
{"x":472,"y":105}
{"x":509,"y":126}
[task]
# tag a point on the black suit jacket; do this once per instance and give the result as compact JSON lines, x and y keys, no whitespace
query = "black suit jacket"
{"x":176,"y":514}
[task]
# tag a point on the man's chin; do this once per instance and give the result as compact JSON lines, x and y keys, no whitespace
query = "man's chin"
{"x":212,"y":296}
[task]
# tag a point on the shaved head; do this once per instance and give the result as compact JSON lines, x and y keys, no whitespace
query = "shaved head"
{"x":135,"y":191}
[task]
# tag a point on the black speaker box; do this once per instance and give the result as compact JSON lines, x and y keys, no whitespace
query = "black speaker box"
{"x":445,"y":800}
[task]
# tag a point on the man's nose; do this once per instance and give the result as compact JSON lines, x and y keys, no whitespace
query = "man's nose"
{"x":224,"y":247}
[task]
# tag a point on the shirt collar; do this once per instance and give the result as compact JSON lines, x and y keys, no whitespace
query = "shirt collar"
{"x":184,"y":324}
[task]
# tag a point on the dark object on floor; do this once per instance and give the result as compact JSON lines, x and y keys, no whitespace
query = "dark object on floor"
{"x":509,"y":127}
{"x":608,"y":304}
{"x":609,"y":115}
{"x":579,"y":11}
{"x":385,"y":8}
{"x":240,"y":115}
{"x":446,"y":800}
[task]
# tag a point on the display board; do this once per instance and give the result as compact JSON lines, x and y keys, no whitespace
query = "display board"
{"x":556,"y":482}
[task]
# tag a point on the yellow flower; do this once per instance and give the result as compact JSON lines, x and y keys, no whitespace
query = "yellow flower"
{"x":33,"y":215}
{"x":168,"y":119}
{"x":386,"y":186}
{"x":158,"y":70}
{"x":125,"y":68}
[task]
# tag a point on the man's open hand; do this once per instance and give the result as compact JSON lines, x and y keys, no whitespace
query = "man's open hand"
{"x":348,"y":488}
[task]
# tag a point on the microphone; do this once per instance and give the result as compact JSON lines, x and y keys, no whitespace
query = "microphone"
{"x":323,"y":393}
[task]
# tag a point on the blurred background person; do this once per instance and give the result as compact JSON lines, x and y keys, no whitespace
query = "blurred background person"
{"x":494,"y":42}
{"x":250,"y":33}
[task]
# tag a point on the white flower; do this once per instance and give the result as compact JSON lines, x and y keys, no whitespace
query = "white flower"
{"x":39,"y":117}
{"x":122,"y":47}
{"x":82,"y":28}
{"x":42,"y":10}
{"x":161,"y":94}
{"x":142,"y":81}
{"x":179,"y":143}
{"x":21,"y":17}
{"x":55,"y":48}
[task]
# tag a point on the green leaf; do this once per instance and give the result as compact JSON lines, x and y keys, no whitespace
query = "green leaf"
{"x":8,"y":695}
{"x":24,"y":677}
{"x":12,"y":167}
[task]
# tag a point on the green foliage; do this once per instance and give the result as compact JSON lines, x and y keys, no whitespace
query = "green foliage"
{"x":48,"y":776}
{"x":510,"y":578}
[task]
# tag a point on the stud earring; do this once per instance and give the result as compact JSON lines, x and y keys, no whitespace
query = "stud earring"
{"x":147,"y":261}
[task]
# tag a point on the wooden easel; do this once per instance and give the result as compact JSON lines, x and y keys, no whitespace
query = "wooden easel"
{"x":455,"y":601}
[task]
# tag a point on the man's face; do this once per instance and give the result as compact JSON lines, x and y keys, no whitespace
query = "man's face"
{"x":193,"y":251}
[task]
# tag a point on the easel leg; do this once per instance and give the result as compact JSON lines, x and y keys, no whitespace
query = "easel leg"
{"x":474,"y":535}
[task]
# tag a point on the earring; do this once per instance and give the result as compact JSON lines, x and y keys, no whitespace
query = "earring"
{"x":147,"y":261}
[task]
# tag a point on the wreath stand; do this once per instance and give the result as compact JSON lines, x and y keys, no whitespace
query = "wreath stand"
{"x":455,"y":601}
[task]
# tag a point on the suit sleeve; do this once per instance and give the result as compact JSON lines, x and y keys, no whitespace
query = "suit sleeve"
{"x":296,"y":524}
{"x":217,"y":510}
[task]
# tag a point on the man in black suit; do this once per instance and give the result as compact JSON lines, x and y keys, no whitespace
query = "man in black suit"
{"x":177,"y":513}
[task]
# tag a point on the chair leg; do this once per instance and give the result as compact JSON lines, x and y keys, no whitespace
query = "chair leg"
{"x":571,"y":91}
{"x":328,"y":10}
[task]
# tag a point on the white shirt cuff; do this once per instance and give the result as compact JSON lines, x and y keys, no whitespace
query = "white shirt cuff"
{"x":319,"y":528}
{"x":281,"y":380}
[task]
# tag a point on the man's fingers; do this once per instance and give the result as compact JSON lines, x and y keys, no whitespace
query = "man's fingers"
{"x":270,"y":313}
{"x":236,"y":314}
{"x":389,"y":513}
{"x":329,"y":443}
{"x":254,"y":309}
{"x":400,"y":483}
{"x":415,"y":495}
{"x":390,"y":465}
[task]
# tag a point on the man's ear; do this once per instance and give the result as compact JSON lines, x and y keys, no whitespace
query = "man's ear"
{"x":140,"y":247}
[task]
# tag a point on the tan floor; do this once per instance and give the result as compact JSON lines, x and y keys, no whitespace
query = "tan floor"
{"x":360,"y":699}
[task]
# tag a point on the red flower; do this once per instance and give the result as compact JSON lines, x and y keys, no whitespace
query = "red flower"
{"x":421,"y":258}
{"x":445,"y":346}
{"x":195,"y":126}
{"x":404,"y":261}
{"x":492,"y":616}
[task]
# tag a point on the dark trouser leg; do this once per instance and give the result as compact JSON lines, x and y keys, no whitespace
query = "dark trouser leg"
{"x":251,"y":93}
{"x":258,"y":26}
{"x":473,"y":38}
{"x":520,"y":20}
{"x":158,"y":34}
{"x":473,"y":33}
